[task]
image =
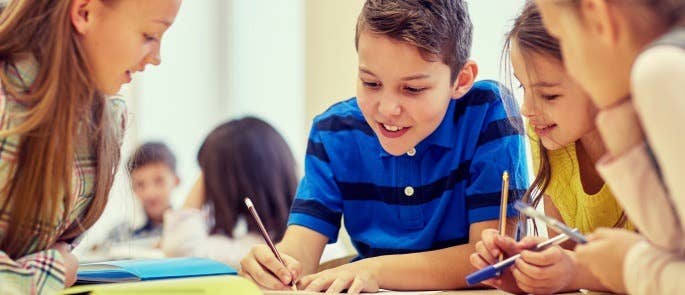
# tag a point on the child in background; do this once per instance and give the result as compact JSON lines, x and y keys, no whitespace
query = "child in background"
{"x":240,"y":158}
{"x":630,"y":57}
{"x":61,"y":135}
{"x":565,"y":145}
{"x":414,"y":163}
{"x":152,"y":169}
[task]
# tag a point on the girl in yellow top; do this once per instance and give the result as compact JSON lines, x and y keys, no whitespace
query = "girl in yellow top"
{"x":566,"y":145}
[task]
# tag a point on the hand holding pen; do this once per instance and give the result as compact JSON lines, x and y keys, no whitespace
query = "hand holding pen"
{"x":542,"y":268}
{"x":265,"y":265}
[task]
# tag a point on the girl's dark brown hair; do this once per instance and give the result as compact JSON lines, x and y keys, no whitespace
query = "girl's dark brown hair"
{"x":248,"y":158}
{"x":531,"y":36}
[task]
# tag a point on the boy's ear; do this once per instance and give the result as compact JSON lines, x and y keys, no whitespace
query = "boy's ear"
{"x":465,"y":79}
{"x":177,"y":181}
{"x":601,"y":19}
{"x":80,"y":13}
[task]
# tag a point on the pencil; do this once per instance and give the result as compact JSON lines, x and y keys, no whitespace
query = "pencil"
{"x":265,"y":234}
{"x":503,"y":207}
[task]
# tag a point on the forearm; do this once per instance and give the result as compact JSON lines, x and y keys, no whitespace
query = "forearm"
{"x":196,"y":196}
{"x":583,"y":279}
{"x":184,"y":231}
{"x":296,"y":243}
{"x":651,"y":270}
{"x":442,"y":269}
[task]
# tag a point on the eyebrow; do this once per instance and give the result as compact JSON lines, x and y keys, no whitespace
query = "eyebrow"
{"x":408,"y":78}
{"x":164,"y":22}
{"x":545,"y":84}
{"x":541,"y":83}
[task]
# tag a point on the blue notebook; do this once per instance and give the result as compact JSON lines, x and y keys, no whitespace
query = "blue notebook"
{"x":150,"y":269}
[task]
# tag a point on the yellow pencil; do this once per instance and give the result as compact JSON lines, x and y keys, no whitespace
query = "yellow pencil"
{"x":503,"y":207}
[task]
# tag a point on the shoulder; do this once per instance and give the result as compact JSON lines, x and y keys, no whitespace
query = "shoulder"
{"x":345,"y":109}
{"x":342,"y":116}
{"x":486,"y":92}
{"x":659,"y":71}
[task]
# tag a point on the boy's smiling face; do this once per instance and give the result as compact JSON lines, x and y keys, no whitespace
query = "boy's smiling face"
{"x":403,"y":96}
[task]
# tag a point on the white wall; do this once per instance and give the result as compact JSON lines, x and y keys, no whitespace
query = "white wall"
{"x":220,"y":60}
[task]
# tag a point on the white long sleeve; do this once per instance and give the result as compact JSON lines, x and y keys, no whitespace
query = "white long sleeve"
{"x":186,"y":233}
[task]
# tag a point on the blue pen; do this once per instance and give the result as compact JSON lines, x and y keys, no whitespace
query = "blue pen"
{"x":495,"y":269}
{"x":552,"y":223}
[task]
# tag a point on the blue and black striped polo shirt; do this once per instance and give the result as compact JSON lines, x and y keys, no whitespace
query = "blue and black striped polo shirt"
{"x":423,"y":200}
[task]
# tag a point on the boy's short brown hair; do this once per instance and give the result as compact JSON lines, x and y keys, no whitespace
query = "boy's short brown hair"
{"x":438,"y":28}
{"x":151,"y":153}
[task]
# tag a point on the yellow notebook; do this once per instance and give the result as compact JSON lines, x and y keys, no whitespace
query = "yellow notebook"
{"x":198,"y":285}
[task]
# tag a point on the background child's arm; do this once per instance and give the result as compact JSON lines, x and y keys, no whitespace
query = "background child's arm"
{"x":196,"y":196}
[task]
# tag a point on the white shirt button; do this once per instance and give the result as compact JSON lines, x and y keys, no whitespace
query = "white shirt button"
{"x":411,"y":152}
{"x":409,"y":191}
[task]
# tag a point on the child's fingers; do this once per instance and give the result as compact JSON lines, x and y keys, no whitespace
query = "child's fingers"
{"x":485,"y":253}
{"x":534,"y":272}
{"x":495,"y":283}
{"x":524,"y":280}
{"x":305,"y":281}
{"x":506,"y":245}
{"x":529,"y":242}
{"x":255,"y":271}
{"x":294,"y":266}
{"x":477,"y":261}
{"x":488,"y":239}
{"x":339,"y":284}
{"x":357,"y":286}
{"x":267,"y":259}
{"x":319,"y":284}
{"x":547,"y":257}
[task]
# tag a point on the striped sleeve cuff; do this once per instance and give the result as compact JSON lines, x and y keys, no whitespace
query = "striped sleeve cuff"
{"x":39,"y":273}
{"x":318,"y":225}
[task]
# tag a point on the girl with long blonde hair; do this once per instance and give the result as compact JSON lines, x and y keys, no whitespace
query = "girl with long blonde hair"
{"x":59,"y":133}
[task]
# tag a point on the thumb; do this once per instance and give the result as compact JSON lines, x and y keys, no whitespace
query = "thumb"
{"x":294,"y":266}
{"x":598,"y":234}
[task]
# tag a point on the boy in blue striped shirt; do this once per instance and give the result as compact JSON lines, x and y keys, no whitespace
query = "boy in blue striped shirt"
{"x":413,"y":163}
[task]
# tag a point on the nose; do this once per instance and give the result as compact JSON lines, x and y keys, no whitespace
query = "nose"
{"x":389,"y":106}
{"x":528,"y":107}
{"x":154,"y":57}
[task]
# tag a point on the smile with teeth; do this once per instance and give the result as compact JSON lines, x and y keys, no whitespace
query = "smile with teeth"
{"x":392,"y":128}
{"x":545,"y":127}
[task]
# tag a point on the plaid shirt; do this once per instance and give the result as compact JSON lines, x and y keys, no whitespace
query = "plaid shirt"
{"x":42,"y":270}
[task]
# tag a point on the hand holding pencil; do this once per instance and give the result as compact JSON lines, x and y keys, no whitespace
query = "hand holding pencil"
{"x":265,"y":265}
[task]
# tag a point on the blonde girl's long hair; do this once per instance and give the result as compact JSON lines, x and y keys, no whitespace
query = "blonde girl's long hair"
{"x":61,"y":100}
